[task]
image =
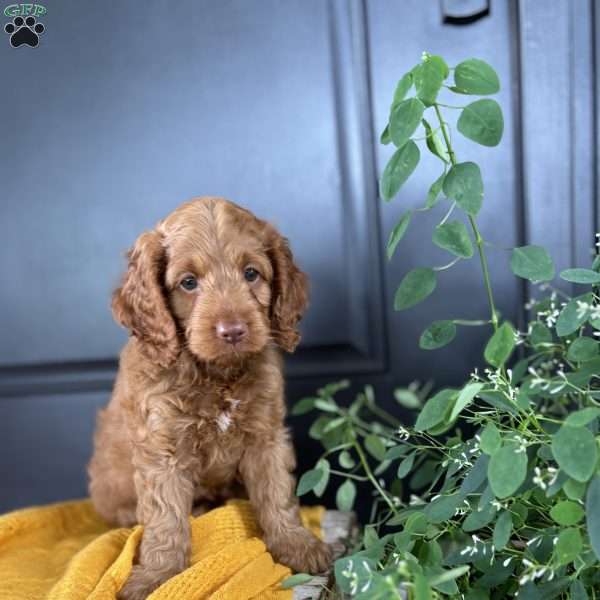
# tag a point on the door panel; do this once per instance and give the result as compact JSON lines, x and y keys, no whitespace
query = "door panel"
{"x":126,"y":109}
{"x":231,"y":98}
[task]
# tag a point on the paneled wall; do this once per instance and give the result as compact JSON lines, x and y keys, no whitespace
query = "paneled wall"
{"x":277,"y":105}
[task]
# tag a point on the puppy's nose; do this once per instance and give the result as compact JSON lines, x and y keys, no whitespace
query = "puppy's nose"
{"x":231,"y":332}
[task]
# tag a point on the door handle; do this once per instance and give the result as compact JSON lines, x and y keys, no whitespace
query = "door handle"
{"x":464,"y":12}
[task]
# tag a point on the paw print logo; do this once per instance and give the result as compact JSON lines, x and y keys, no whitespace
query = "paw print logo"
{"x":24,"y":31}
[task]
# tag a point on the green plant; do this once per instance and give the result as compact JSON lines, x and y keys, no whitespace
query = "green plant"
{"x":503,"y":471}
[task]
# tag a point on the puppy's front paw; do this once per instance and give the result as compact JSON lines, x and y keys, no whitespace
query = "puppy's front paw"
{"x":140,"y":584}
{"x":302,"y":551}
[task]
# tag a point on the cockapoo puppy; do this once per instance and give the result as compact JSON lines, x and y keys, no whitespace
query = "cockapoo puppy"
{"x":196,"y":416}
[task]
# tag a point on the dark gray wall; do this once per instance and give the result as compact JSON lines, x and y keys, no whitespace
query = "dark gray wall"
{"x":127,"y":109}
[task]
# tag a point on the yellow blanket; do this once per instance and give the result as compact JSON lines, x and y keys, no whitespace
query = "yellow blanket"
{"x":66,"y":552}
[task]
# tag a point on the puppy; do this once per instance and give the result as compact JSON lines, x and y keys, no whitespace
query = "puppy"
{"x":197,"y":411}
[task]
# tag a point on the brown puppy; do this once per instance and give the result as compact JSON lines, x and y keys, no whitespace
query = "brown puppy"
{"x":198,"y":406}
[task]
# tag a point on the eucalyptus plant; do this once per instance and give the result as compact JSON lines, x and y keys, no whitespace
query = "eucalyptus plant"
{"x":494,"y":492}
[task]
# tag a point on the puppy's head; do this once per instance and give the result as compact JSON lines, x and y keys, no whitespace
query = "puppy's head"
{"x":214,"y":278}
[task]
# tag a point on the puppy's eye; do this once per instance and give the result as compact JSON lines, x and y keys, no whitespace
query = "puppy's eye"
{"x":189,"y":283}
{"x":250,"y":274}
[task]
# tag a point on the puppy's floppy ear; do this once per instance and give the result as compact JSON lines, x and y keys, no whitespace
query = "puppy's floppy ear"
{"x":140,"y":304}
{"x":290,"y":293}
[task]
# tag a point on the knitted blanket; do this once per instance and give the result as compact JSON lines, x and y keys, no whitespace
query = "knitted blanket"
{"x":66,"y":552}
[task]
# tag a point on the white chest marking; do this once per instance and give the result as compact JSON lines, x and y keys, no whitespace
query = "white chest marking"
{"x":224,"y":419}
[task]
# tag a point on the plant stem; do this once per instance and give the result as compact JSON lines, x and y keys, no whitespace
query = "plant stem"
{"x":478,"y":238}
{"x":383,"y":414}
{"x":486,"y":273}
{"x":367,"y":468}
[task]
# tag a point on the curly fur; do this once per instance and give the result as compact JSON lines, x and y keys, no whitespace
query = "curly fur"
{"x":194,"y":420}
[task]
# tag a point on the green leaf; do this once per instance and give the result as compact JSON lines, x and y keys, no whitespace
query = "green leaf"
{"x":437,"y":335}
{"x":571,"y":318}
{"x":404,"y":120}
{"x":370,"y":536}
{"x":477,"y":594}
{"x":466,"y":396}
{"x":402,"y":88}
{"x":577,"y":591}
{"x":574,"y":490}
{"x":348,"y":570}
{"x":406,"y":465}
{"x":398,"y":233}
{"x":575,"y":451}
{"x":428,"y":78}
{"x":568,"y":546}
{"x":317,"y":428}
{"x":443,"y":508}
{"x":395,"y":452}
{"x":529,"y":591}
{"x":474,"y":76}
{"x":435,"y":145}
{"x":414,"y":288}
{"x":482,"y":122}
{"x":479,"y":518}
{"x":326,"y":405}
{"x":582,"y":349}
{"x":583,"y":276}
{"x":309,"y":481}
{"x":540,"y":334}
{"x":476,"y":476}
{"x":567,"y":513}
{"x":453,"y":236}
{"x":297,"y":579}
{"x":533,"y":263}
{"x":385,"y":138}
{"x":422,"y":589}
{"x":416,"y":523}
{"x":324,"y":467}
{"x":399,"y":168}
{"x":490,"y":439}
{"x":592,"y":514}
{"x":303,"y":406}
{"x":502,"y":530}
{"x":500,"y":346}
{"x":345,"y":459}
{"x":375,"y":446}
{"x":407,"y":398}
{"x":463,"y":183}
{"x":449,"y":575}
{"x":345,"y":496}
{"x":436,"y":409}
{"x":507,"y":470}
{"x":334,"y":424}
{"x":434,"y":191}
{"x":582,"y":417}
